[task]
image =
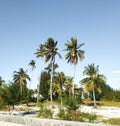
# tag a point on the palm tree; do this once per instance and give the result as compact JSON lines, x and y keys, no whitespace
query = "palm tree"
{"x":20,"y":77}
{"x":93,"y":79}
{"x":50,"y":53}
{"x":60,"y":80}
{"x":48,"y":68}
{"x":74,"y":53}
{"x":68,"y":85}
{"x":40,"y":54}
{"x":1,"y":81}
{"x":49,"y":50}
{"x":32,"y":64}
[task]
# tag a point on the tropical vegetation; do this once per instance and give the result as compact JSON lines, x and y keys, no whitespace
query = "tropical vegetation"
{"x":56,"y":87}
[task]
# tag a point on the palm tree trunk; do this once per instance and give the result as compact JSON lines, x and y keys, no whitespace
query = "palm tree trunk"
{"x":73,"y":85}
{"x":38,"y":88}
{"x":94,"y":98}
{"x":61,"y":97}
{"x":51,"y":83}
{"x":31,"y":79}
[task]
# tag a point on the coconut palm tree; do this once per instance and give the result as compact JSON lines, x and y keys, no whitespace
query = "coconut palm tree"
{"x":60,"y":80}
{"x":50,"y":53}
{"x":48,"y":68}
{"x":68,"y":85}
{"x":1,"y":81}
{"x":20,"y":77}
{"x":93,"y":79}
{"x":40,"y":54}
{"x":73,"y":54}
{"x":32,"y":64}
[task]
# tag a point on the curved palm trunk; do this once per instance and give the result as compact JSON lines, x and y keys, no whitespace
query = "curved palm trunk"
{"x":94,"y":98}
{"x":51,"y":83}
{"x":73,"y":85}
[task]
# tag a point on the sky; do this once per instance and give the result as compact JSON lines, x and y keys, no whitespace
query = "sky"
{"x":25,"y":24}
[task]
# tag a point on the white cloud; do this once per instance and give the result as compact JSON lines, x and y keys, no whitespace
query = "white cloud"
{"x":116,"y":72}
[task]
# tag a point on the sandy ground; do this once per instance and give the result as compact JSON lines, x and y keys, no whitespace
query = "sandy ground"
{"x":10,"y":124}
{"x":105,"y":112}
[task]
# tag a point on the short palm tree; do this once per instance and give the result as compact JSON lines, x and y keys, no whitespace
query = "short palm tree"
{"x":68,"y":85}
{"x":60,"y":80}
{"x":93,"y":79}
{"x":20,"y":77}
{"x":73,"y":54}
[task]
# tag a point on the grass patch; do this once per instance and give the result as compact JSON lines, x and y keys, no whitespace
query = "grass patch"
{"x":114,"y":121}
{"x":102,"y":103}
{"x":111,"y":103}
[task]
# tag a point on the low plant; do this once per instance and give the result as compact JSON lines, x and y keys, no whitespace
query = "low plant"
{"x":45,"y":112}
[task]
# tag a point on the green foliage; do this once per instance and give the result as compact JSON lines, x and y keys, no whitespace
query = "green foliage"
{"x":71,"y":112}
{"x":71,"y":103}
{"x":64,"y":114}
{"x":44,"y":84}
{"x":10,"y":94}
{"x":45,"y":112}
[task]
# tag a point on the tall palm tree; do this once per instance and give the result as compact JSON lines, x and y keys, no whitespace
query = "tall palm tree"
{"x":93,"y":79}
{"x":50,"y":53}
{"x":20,"y":77}
{"x":73,"y":54}
{"x":40,"y":54}
{"x":33,"y":66}
{"x":1,"y":81}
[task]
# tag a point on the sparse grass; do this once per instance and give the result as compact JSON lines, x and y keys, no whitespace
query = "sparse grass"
{"x":114,"y":121}
{"x":47,"y":103}
{"x":102,"y":103}
{"x":111,"y":103}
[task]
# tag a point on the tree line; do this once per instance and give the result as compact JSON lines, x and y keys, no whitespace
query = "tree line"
{"x":56,"y":85}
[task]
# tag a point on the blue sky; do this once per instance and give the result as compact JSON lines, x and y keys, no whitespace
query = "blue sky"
{"x":25,"y":24}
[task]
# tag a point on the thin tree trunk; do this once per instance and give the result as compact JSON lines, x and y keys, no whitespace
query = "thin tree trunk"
{"x":38,"y":87}
{"x":94,"y":98}
{"x":31,"y":78}
{"x":61,"y":96}
{"x":51,"y":84}
{"x":73,"y":85}
{"x":30,"y":87}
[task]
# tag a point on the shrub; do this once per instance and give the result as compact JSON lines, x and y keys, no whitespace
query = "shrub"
{"x":45,"y":112}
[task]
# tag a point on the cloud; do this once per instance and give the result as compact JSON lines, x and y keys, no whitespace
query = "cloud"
{"x":116,"y":72}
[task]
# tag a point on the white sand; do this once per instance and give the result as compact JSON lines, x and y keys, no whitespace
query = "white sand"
{"x":10,"y":124}
{"x":106,"y":112}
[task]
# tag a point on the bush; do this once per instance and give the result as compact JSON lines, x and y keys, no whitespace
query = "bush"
{"x":64,"y":114}
{"x":45,"y":112}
